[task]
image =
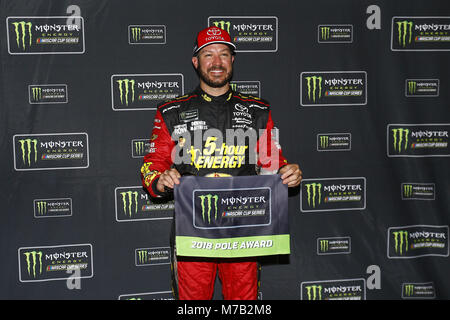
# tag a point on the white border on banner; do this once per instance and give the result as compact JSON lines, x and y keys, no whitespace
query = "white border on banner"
{"x":245,"y":17}
{"x":343,"y":209}
{"x":421,"y":95}
{"x":143,"y":74}
{"x":232,"y":227}
{"x":333,"y":104}
{"x":50,"y":134}
{"x":48,"y":85}
{"x":65,"y":17}
{"x":133,"y":220}
{"x":55,"y":216}
{"x":422,"y":255}
{"x":338,"y":280}
{"x":148,"y":25}
{"x":340,"y":25}
{"x":412,"y":124}
{"x":58,"y":246}
{"x":330,"y":134}
{"x":415,"y":17}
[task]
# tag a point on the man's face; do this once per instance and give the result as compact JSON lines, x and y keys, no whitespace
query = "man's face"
{"x":214,"y":64}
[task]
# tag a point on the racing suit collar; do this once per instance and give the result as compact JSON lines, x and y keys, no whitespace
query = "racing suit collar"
{"x":209,"y":98}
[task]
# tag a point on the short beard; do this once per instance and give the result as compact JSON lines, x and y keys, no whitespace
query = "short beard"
{"x":212,"y":84}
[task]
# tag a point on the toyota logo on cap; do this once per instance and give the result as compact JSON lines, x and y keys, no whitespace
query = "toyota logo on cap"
{"x":212,"y":35}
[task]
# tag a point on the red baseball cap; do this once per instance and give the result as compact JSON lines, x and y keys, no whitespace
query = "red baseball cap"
{"x":212,"y":35}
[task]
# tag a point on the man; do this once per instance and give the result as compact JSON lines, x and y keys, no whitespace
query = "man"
{"x":213,"y":107}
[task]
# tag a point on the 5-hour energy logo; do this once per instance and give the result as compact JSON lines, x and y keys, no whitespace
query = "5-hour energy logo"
{"x":333,"y":88}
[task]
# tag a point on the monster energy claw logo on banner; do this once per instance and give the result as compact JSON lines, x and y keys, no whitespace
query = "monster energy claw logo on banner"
{"x":134,"y":204}
{"x":417,"y":241}
{"x":418,"y":290}
{"x":333,"y":194}
{"x":346,"y":289}
{"x":45,"y":35}
{"x":231,"y":217}
{"x":61,"y":207}
{"x":334,"y":141}
{"x":333,"y":88}
{"x":144,"y":91}
{"x":251,"y":33}
{"x":422,"y":88}
{"x":152,"y":256}
{"x":418,"y":140}
{"x":53,"y":262}
{"x":420,"y":34}
{"x":51,"y":151}
{"x":47,"y":93}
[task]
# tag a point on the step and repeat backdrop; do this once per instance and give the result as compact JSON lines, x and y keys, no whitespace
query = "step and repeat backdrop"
{"x":359,"y":93}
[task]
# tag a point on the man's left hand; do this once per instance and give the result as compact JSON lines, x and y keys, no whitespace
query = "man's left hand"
{"x":291,"y":174}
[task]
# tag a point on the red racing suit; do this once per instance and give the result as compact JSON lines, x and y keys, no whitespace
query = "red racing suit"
{"x":190,"y":134}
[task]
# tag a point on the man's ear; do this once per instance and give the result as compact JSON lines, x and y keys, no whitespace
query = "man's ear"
{"x":195,"y":62}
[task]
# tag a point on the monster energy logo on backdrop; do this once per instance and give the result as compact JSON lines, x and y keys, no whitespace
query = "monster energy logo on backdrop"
{"x":404,"y":32}
{"x":206,"y":207}
{"x":412,"y":86}
{"x":127,"y":200}
{"x":42,"y":207}
{"x":324,"y":245}
{"x":325,"y":33}
{"x":136,"y":33}
{"x":407,"y":190}
{"x":224,"y":25}
{"x":22,"y":28}
{"x":314,"y":83}
{"x":139,"y":147}
{"x":32,"y":261}
{"x":27,"y":146}
{"x":402,"y":136}
{"x":311,"y":190}
{"x":314,"y":292}
{"x":125,"y":85}
{"x":37,"y":93}
{"x":400,"y":239}
{"x":324,"y":141}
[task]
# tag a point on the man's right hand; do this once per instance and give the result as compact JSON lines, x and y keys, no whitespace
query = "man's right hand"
{"x":168,"y":179}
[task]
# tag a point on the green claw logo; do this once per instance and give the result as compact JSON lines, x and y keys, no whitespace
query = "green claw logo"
{"x":324,"y":245}
{"x":32,"y":263}
{"x":314,"y":85}
{"x":127,"y":198}
{"x":139,"y":147}
{"x":37,"y":93}
{"x":325,"y":33}
{"x":125,"y":86}
{"x":22,"y":28}
{"x":27,"y":146}
{"x":208,"y":199}
{"x":314,"y":292}
{"x":312,"y":190}
{"x":404,"y":29}
{"x":399,"y":136}
{"x":407,"y":190}
{"x":324,"y":141}
{"x":224,"y":25}
{"x":401,"y":241}
{"x":412,"y":86}
{"x":136,"y":33}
